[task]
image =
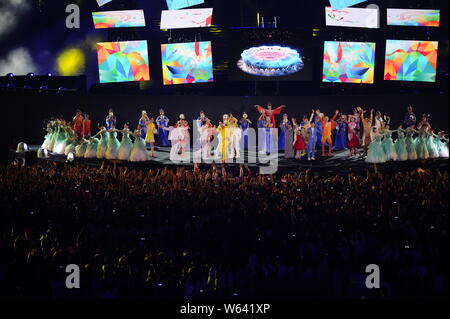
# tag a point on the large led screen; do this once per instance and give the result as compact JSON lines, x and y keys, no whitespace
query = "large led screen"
{"x":188,"y":18}
{"x":103,"y":2}
{"x":411,"y":60}
{"x":352,"y":17}
{"x":180,"y":4}
{"x":118,"y":19}
{"x":270,"y":55}
{"x":348,"y":62}
{"x":341,"y":4}
{"x":413,"y":17}
{"x":184,"y":63}
{"x":123,"y":61}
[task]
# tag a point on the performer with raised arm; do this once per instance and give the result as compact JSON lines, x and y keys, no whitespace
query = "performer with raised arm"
{"x":270,"y":112}
{"x":327,"y":127}
{"x":162,"y":121}
{"x":199,"y":122}
{"x":111,"y":120}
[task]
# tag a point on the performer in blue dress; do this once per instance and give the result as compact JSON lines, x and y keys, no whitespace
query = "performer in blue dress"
{"x":111,"y":120}
{"x":261,"y":124}
{"x":410,"y":117}
{"x":245,"y":124}
{"x":142,"y":123}
{"x":282,"y":132}
{"x":318,"y":124}
{"x":340,"y":142}
{"x":162,"y":122}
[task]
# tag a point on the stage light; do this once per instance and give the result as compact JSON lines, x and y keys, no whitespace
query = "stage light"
{"x":70,"y":62}
{"x":10,"y":74}
{"x":70,"y":157}
{"x":49,"y":74}
{"x":30,"y":74}
{"x":22,"y":147}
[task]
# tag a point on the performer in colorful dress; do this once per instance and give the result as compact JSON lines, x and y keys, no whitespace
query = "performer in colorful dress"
{"x":400,"y":144}
{"x":103,"y":143}
{"x":410,"y":144}
{"x":327,"y":127}
{"x":312,"y":141}
{"x":150,"y":136}
{"x":162,"y":121}
{"x":283,"y":126}
{"x":299,"y":144}
{"x":375,"y":153}
{"x":388,"y":143}
{"x":142,"y":123}
{"x":410,"y":117}
{"x":206,"y":136}
{"x":245,"y":124}
{"x":270,"y":112}
{"x":111,"y":120}
{"x":199,"y":122}
{"x":126,"y":144}
{"x":78,"y":124}
{"x":353,"y":139}
{"x":139,"y":150}
{"x":186,"y":142}
{"x":112,"y":150}
{"x":340,"y":142}
{"x":367,"y":127}
{"x":87,"y":126}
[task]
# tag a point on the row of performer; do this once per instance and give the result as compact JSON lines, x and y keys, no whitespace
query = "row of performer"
{"x":359,"y":130}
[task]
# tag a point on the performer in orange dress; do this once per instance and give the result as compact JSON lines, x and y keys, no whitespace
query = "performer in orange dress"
{"x":86,"y":126}
{"x":327,"y":127}
{"x":78,"y":124}
{"x":270,"y":113}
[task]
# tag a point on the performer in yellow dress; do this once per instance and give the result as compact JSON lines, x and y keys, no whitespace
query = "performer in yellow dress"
{"x":150,"y":135}
{"x":223,"y":138}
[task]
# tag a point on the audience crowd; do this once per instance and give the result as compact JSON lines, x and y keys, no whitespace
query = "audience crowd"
{"x":177,"y":233}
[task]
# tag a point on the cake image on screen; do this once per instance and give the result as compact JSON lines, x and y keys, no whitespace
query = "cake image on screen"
{"x":411,"y":60}
{"x":123,"y":61}
{"x":270,"y":61}
{"x":348,"y":62}
{"x":185,"y":63}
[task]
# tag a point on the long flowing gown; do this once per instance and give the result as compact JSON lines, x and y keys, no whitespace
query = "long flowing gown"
{"x":376,"y":152}
{"x":400,"y":147}
{"x":139,"y":150}
{"x":340,"y":142}
{"x":103,"y":144}
{"x":389,"y":147}
{"x":91,"y":148}
{"x":126,"y":144}
{"x":162,"y":121}
{"x":411,"y":146}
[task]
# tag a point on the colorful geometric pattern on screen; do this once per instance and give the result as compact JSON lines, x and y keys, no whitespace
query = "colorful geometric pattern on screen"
{"x":349,"y":62}
{"x":184,"y":63}
{"x":123,"y":61}
{"x":411,"y":60}
{"x":118,"y":19}
{"x":413,"y":17}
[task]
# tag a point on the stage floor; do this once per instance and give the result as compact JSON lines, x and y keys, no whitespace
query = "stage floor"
{"x":338,"y":162}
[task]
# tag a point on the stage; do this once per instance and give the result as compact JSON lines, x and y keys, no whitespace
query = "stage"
{"x":339,"y":162}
